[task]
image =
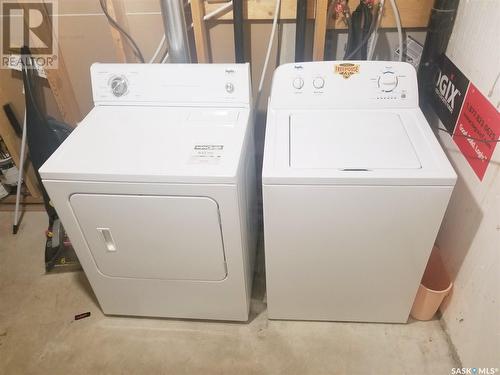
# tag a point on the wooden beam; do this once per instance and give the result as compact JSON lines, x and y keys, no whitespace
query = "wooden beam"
{"x":58,"y":79}
{"x":13,"y":144}
{"x":264,"y":10}
{"x":414,"y":13}
{"x":124,"y":53}
{"x":200,"y":31}
{"x":320,"y":29}
{"x":62,"y":89}
{"x":28,"y":203}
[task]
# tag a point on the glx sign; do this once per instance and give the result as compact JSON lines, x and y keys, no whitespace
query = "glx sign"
{"x":450,"y":86}
{"x":467,"y":114}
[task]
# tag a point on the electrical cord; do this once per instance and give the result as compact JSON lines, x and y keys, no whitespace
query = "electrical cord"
{"x":116,"y":26}
{"x":165,"y":58}
{"x":465,"y":136}
{"x":158,"y":50}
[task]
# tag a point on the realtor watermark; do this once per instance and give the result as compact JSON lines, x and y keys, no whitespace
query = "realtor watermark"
{"x":32,"y":24}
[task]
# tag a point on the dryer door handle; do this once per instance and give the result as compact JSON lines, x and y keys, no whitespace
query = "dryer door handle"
{"x":107,"y":238}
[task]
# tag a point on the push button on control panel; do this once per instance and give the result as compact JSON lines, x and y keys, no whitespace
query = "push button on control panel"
{"x":229,"y":88}
{"x":387,"y":81}
{"x":318,"y":83}
{"x":298,"y":83}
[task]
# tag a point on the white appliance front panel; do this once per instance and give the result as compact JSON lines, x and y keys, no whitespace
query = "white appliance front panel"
{"x":202,"y":85}
{"x":152,"y":237}
{"x":348,"y":253}
{"x":228,"y":299}
{"x":350,"y":140}
{"x":344,"y":85}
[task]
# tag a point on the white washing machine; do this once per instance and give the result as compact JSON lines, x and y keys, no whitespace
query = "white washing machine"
{"x":355,"y":186}
{"x":156,"y":189}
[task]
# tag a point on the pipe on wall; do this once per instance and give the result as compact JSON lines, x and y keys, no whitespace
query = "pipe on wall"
{"x":439,"y":29}
{"x":174,"y":22}
{"x":300,"y":30}
{"x":238,"y":24}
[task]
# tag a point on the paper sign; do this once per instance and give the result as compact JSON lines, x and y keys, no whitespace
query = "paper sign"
{"x":478,"y":119}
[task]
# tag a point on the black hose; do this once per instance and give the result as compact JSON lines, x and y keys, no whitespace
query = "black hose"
{"x":367,"y":24}
{"x":355,"y":35}
{"x":351,"y":55}
{"x":116,"y":26}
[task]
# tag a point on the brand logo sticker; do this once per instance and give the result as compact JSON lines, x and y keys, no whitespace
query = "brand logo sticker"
{"x":346,"y":70}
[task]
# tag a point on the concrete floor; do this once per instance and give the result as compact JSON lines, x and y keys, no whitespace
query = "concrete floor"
{"x":38,"y":333}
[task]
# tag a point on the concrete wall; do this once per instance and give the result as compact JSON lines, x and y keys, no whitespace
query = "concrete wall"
{"x":470,"y":234}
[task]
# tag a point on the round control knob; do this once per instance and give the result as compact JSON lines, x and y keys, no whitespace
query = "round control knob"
{"x":229,"y":87}
{"x":318,"y":83}
{"x":119,"y":86}
{"x":298,"y":83}
{"x":387,"y":81}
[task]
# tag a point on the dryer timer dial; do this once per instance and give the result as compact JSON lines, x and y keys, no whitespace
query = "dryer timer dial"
{"x":118,"y":85}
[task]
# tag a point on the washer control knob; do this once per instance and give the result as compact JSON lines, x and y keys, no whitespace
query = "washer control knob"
{"x":318,"y":83}
{"x":298,"y":83}
{"x":387,"y":81}
{"x":118,"y":85}
{"x":229,"y":87}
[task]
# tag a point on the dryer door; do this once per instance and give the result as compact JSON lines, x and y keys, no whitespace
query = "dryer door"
{"x":152,"y":237}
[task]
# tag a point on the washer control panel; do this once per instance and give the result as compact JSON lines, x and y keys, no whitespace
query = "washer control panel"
{"x":345,"y":84}
{"x":176,"y":84}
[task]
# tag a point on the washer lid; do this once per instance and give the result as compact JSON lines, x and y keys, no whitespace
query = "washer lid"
{"x":350,"y":141}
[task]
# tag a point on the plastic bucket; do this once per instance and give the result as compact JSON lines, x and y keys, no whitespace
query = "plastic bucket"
{"x":435,"y":286}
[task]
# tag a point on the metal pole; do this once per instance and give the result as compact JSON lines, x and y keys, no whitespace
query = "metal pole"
{"x":238,"y":24}
{"x":174,"y":23}
{"x":15,"y":227}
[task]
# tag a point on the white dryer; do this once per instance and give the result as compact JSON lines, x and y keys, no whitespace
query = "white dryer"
{"x":156,"y":189}
{"x":355,"y":186}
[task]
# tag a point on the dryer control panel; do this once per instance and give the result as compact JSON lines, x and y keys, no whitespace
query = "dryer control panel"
{"x":171,"y":84}
{"x":345,"y":84}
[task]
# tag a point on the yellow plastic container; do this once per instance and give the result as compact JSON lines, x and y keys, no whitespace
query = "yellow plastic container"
{"x":435,"y":286}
